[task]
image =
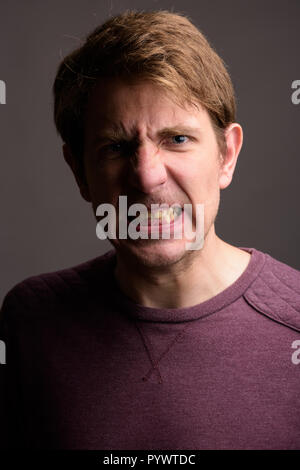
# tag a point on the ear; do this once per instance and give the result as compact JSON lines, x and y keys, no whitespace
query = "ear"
{"x":234,"y":140}
{"x":73,"y":164}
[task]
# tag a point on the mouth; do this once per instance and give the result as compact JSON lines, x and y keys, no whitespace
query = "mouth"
{"x":161,"y":217}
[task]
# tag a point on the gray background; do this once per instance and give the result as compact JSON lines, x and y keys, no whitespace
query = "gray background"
{"x":45,"y":225}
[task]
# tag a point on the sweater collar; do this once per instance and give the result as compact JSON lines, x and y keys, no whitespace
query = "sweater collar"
{"x":219,"y":301}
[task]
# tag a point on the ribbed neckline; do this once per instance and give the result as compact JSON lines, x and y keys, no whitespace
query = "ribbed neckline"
{"x":219,"y":301}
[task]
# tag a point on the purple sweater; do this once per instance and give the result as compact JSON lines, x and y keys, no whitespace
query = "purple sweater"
{"x":87,"y":368}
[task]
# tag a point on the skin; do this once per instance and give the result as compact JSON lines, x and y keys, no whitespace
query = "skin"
{"x":158,"y":168}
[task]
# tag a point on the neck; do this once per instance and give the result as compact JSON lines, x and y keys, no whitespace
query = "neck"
{"x":197,"y":277}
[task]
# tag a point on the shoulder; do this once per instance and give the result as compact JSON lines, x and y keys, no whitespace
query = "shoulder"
{"x":70,"y":284}
{"x":275,"y":292}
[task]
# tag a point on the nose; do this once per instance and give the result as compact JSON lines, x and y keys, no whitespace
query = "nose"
{"x":147,"y":170}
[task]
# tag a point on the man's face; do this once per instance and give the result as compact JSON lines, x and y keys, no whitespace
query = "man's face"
{"x":139,"y":143}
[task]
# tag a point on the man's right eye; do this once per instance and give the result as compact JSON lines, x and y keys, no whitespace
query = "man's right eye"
{"x":113,"y":149}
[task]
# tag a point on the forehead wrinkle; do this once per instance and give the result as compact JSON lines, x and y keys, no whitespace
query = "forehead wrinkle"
{"x":124,"y":123}
{"x":118,"y":131}
{"x":114,"y":131}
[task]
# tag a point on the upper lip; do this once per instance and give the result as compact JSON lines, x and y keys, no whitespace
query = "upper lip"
{"x":149,"y":212}
{"x":164,"y":204}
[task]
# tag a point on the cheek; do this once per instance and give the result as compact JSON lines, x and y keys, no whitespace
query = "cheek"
{"x":199,"y":179}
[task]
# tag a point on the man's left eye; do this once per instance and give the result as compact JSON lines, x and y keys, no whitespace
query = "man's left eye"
{"x":179,"y":139}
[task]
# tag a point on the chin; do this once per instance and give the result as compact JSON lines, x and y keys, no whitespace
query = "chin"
{"x":152,"y":253}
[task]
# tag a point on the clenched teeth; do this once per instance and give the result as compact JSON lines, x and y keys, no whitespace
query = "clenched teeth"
{"x":164,"y":215}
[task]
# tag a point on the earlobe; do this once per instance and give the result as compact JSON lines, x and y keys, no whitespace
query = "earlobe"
{"x":234,"y":141}
{"x":73,"y":164}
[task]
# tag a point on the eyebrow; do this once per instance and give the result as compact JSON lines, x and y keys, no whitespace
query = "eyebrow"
{"x":179,"y":129}
{"x":119,"y":133}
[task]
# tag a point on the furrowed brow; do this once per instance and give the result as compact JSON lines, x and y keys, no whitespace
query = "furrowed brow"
{"x":119,"y":133}
{"x":110,"y":134}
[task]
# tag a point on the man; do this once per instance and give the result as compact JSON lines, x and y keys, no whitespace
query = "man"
{"x":153,"y":345}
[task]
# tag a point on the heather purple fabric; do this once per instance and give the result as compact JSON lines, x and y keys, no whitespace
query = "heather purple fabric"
{"x":87,"y":368}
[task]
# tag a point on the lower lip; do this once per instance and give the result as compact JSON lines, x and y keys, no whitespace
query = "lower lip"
{"x":178,"y":221}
